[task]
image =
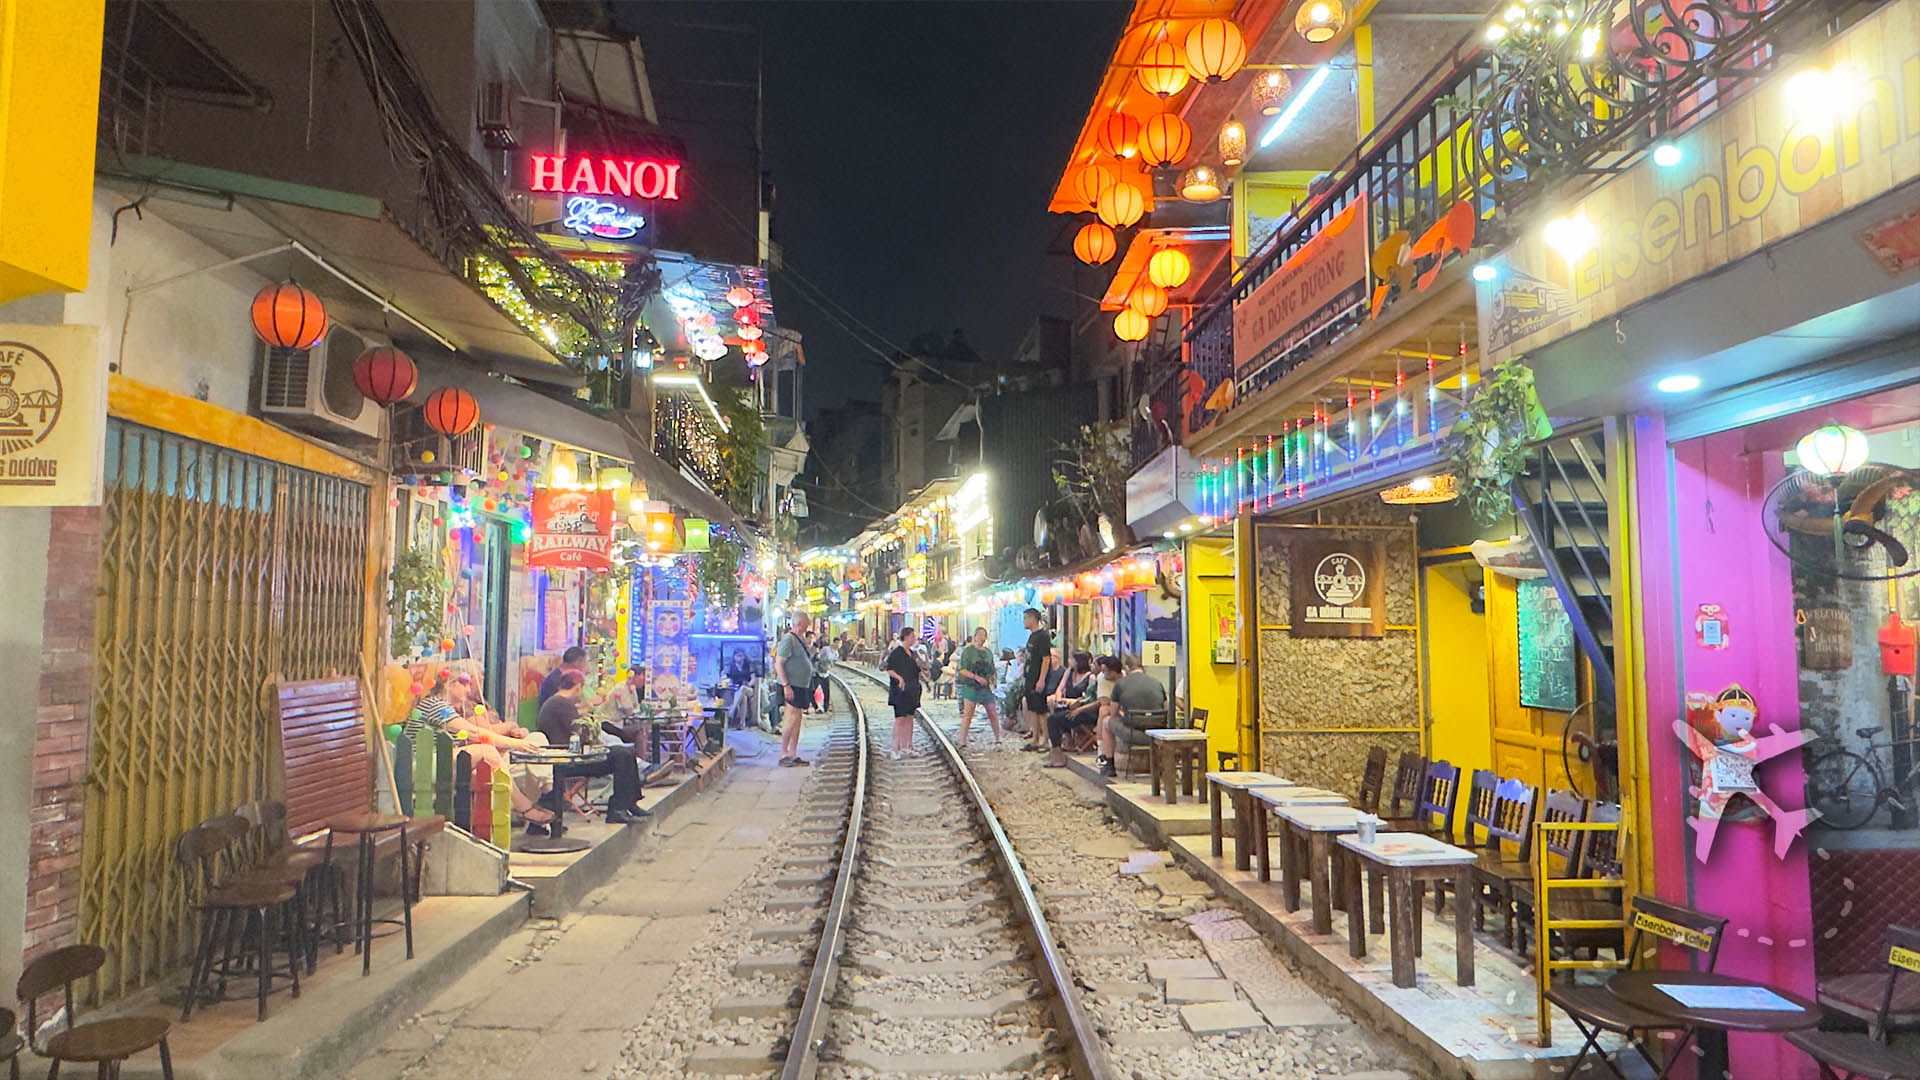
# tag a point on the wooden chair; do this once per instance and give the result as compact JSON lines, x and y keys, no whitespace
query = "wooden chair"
{"x":105,"y":1043}
{"x":1847,"y":1055}
{"x":1404,"y":796}
{"x":1229,"y":760}
{"x":1563,"y":844}
{"x":1439,"y":798}
{"x":1595,"y":1010}
{"x":11,"y":1043}
{"x":1373,"y":781}
{"x":1142,"y":752}
{"x":1505,"y":847}
{"x":233,"y":911}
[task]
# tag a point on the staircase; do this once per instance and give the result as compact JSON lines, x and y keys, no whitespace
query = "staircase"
{"x":1563,"y":500}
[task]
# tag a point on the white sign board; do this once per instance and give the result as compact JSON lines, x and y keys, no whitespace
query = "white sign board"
{"x":1159,"y":653}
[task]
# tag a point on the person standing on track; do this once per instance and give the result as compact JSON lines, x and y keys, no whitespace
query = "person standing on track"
{"x":794,"y":664}
{"x":1039,"y":662}
{"x":974,"y":678}
{"x":903,"y":671}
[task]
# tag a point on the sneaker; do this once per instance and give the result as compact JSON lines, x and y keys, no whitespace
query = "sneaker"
{"x":797,"y":760}
{"x":620,"y":817}
{"x":535,"y":829}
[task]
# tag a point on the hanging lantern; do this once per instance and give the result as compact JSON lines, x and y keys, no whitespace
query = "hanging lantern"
{"x":1270,"y":91}
{"x":289,"y":316}
{"x":1832,"y":450}
{"x":384,"y":375}
{"x":1130,"y":325}
{"x":1094,"y":243}
{"x":1319,"y":20}
{"x":1121,"y":205}
{"x":1215,"y":50}
{"x":1148,"y":299}
{"x":451,"y":411}
{"x":1091,"y":180}
{"x":740,"y":296}
{"x":1162,"y":69}
{"x":1165,"y":139}
{"x":1200,"y":184}
{"x":750,"y":332}
{"x":1233,"y":143}
{"x":1119,"y":135}
{"x":1169,"y":268}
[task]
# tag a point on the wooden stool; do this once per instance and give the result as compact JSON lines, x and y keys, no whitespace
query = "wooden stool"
{"x":263,"y":901}
{"x":368,"y":829}
{"x":107,"y":1043}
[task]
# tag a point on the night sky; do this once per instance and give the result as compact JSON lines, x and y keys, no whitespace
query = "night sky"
{"x":913,"y":147}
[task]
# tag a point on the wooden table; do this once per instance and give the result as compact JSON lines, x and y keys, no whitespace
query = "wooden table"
{"x":1235,"y":785}
{"x":1175,"y":752}
{"x":1403,"y":859}
{"x":1641,"y":989}
{"x":1265,"y":799}
{"x":1312,"y":827}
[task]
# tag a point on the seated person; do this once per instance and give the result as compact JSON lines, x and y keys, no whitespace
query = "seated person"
{"x":558,"y":719}
{"x":1139,"y":702}
{"x":441,"y":706}
{"x":1071,"y":705}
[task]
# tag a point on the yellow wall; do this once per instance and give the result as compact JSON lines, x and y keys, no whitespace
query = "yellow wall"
{"x":1210,"y":686}
{"x":1458,"y":705}
{"x":1265,"y":194}
{"x":49,"y":112}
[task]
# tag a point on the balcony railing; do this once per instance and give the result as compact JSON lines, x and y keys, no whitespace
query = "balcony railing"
{"x":684,"y":434}
{"x":1494,"y":130}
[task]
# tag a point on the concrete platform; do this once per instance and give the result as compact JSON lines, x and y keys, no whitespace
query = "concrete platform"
{"x":559,"y":882}
{"x":1486,"y":1031}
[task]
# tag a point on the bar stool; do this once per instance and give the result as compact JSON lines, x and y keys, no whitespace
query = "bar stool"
{"x":282,"y":861}
{"x":368,"y":830}
{"x":263,"y":906}
{"x":106,"y":1043}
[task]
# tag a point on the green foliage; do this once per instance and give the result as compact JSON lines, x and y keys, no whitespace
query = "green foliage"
{"x":417,"y":599}
{"x":720,"y":573}
{"x":740,"y":448}
{"x":1489,"y":445}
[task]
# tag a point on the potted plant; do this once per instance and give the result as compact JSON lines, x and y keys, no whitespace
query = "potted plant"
{"x":1488,"y":445}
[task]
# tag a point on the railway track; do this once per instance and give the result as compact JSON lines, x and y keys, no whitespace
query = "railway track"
{"x":934,"y":957}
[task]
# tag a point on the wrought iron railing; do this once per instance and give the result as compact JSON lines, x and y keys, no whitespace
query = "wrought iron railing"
{"x":1494,"y":129}
{"x":685,"y":434}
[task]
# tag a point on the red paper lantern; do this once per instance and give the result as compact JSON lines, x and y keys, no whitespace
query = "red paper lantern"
{"x":1094,"y":243}
{"x":385,"y":375}
{"x":1165,"y":139}
{"x":451,"y":411}
{"x":289,"y":316}
{"x":1119,"y":135}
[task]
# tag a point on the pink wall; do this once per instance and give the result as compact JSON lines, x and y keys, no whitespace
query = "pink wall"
{"x":1723,"y":557}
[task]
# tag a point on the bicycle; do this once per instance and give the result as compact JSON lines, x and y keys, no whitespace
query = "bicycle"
{"x":1847,"y":787}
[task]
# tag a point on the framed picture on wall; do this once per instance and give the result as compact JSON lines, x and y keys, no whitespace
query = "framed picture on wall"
{"x":1549,"y":664}
{"x":1338,"y":587}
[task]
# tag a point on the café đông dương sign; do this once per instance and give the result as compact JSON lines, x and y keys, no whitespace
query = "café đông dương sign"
{"x":1324,"y":280}
{"x":1825,"y":134}
{"x":53,"y":416}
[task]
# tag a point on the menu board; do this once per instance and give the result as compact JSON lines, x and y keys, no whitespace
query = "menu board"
{"x":1549,"y":666}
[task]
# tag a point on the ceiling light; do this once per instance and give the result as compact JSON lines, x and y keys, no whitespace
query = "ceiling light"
{"x":1832,"y":450}
{"x":1678,"y":384}
{"x":1667,"y":155}
{"x":1294,"y":107}
{"x":1269,"y":89}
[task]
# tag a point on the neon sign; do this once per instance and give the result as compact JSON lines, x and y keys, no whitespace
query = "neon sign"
{"x":589,"y":216}
{"x":642,"y":179}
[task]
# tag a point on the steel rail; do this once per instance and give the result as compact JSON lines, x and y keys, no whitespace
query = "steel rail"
{"x":809,"y":1031}
{"x":1086,"y":1051}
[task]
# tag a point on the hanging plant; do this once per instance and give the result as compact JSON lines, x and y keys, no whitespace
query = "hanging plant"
{"x":1489,"y":445}
{"x":720,"y":573}
{"x":416,"y":600}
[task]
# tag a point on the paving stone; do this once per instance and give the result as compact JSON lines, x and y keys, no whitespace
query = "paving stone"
{"x":1193,"y":991}
{"x":1305,"y":1012}
{"x":754,"y":1058}
{"x":593,"y":938}
{"x":999,"y":1059}
{"x":756,"y":1007}
{"x":776,"y":963}
{"x":1221,"y":1017}
{"x":1180,"y":967}
{"x":1176,"y":883}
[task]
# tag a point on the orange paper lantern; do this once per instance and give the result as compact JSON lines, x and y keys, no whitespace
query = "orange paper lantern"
{"x":1094,"y":243}
{"x":1121,"y":205}
{"x":451,"y":411}
{"x":1091,"y":180}
{"x":1130,"y":325}
{"x":1119,"y":135}
{"x":1215,"y":50}
{"x":289,"y":316}
{"x":1148,"y":299}
{"x":384,"y":375}
{"x":1165,"y":139}
{"x":1162,"y":69}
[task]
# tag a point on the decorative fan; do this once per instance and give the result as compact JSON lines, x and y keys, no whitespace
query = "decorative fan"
{"x":1862,"y":525}
{"x":1584,"y":739}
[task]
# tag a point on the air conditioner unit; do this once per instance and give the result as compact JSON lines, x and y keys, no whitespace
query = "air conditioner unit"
{"x":419,"y":449}
{"x":312,"y":389}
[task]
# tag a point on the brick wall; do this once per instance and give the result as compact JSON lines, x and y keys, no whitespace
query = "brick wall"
{"x":60,"y":742}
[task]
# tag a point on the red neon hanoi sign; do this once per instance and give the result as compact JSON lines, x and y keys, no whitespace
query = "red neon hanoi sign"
{"x":642,"y":179}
